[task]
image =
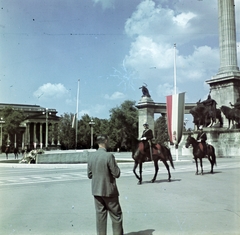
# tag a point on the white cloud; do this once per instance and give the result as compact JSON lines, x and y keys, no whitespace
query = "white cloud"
{"x":116,"y":95}
{"x":105,"y":3}
{"x":153,"y":44}
{"x":183,"y":19}
{"x":53,"y":91}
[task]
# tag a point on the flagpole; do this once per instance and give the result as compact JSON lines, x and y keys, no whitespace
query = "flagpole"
{"x":175,"y":71}
{"x":175,"y":89}
{"x":76,"y":126}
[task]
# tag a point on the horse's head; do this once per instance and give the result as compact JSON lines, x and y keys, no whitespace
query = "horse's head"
{"x":189,"y":140}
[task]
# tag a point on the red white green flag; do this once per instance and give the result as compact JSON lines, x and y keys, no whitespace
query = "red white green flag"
{"x":175,"y":116}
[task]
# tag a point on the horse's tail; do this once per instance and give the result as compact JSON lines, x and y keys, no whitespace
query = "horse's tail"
{"x":213,"y":155}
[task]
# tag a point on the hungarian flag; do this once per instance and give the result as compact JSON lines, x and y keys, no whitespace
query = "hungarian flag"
{"x":175,"y":117}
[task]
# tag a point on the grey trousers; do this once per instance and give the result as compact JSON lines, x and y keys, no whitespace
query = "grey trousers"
{"x":104,"y":205}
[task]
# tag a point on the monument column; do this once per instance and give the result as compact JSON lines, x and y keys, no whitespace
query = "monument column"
{"x":225,"y":85}
{"x":227,"y":36}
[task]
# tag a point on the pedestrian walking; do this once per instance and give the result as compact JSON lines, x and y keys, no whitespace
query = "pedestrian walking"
{"x":103,"y":170}
{"x":7,"y":150}
{"x":16,"y":152}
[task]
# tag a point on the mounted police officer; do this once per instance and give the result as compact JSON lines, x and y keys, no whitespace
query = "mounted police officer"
{"x":202,"y":137}
{"x":146,"y":138}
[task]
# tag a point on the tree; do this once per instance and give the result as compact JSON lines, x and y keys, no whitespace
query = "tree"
{"x":123,"y":124}
{"x":66,"y":132}
{"x":13,"y":119}
{"x":161,"y":131}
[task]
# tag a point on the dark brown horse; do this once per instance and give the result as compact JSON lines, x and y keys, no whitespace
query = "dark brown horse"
{"x":198,"y":153}
{"x":159,"y":152}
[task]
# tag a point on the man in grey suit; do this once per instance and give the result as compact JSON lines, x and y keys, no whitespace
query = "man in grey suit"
{"x":103,"y":170}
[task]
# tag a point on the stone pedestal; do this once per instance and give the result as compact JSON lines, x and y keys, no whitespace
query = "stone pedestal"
{"x":225,"y":89}
{"x":145,"y":113}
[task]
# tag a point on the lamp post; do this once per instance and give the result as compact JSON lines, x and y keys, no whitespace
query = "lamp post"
{"x":46,"y":139}
{"x":91,"y":123}
{"x":1,"y":121}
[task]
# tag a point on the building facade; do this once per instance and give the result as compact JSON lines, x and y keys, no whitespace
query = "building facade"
{"x":38,"y":130}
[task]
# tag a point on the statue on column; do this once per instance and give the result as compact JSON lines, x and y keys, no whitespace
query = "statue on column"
{"x":145,"y":91}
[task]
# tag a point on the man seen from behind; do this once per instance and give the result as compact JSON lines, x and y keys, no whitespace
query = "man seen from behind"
{"x":103,"y":170}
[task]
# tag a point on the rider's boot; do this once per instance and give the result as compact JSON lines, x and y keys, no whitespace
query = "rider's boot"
{"x":150,"y":154}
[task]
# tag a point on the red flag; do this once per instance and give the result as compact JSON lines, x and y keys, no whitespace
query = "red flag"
{"x":175,"y":117}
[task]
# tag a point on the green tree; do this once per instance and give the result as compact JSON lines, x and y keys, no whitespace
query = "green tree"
{"x":123,"y":124}
{"x":66,"y":132}
{"x":13,"y":119}
{"x":161,"y":131}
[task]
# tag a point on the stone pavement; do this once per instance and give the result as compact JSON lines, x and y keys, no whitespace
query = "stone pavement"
{"x":190,"y":204}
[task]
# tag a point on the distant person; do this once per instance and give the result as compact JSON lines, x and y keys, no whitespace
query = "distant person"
{"x":16,"y":152}
{"x":103,"y":170}
{"x":7,"y":150}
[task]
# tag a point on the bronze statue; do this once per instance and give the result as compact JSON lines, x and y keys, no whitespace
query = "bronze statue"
{"x":206,"y":113}
{"x":145,"y":91}
{"x":232,"y":114}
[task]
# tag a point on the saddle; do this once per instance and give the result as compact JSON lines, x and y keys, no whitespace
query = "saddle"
{"x":202,"y":148}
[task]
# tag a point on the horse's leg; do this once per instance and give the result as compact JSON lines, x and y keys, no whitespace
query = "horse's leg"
{"x":196,"y":161}
{"x":200,"y":159}
{"x":167,"y":167}
{"x":211,"y":161}
{"x":134,"y":170}
{"x":140,"y":173}
{"x":211,"y":123}
{"x":156,"y":170}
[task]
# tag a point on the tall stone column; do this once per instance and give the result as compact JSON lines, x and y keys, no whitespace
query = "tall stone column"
{"x":34,"y":136}
{"x":23,"y":140}
{"x":225,"y":86}
{"x":227,"y":36}
{"x":41,"y":138}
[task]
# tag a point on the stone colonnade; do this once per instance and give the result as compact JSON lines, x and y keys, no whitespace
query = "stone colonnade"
{"x":34,"y":134}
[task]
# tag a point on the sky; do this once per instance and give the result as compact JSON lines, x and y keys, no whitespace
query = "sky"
{"x":112,"y":46}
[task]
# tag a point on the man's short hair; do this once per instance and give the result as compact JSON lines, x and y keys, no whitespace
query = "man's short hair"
{"x":101,"y":139}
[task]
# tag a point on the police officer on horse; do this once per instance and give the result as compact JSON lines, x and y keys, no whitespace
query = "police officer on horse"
{"x":202,"y":137}
{"x":146,"y":138}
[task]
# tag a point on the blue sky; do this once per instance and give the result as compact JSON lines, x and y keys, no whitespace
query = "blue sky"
{"x":112,"y":46}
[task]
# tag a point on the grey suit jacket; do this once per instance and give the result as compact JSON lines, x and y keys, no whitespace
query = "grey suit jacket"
{"x":103,"y":170}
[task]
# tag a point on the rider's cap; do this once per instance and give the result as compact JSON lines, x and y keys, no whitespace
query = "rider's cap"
{"x":145,"y":124}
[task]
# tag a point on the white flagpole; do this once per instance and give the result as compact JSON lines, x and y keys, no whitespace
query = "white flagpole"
{"x":77,"y":115}
{"x":175,"y":71}
{"x":175,"y":88}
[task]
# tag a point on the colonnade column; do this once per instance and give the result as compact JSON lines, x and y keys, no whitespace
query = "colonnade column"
{"x":23,"y":140}
{"x":34,"y":136}
{"x":41,"y":141}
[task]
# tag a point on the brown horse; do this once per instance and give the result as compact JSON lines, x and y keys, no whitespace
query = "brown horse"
{"x":159,"y":152}
{"x":198,"y":153}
